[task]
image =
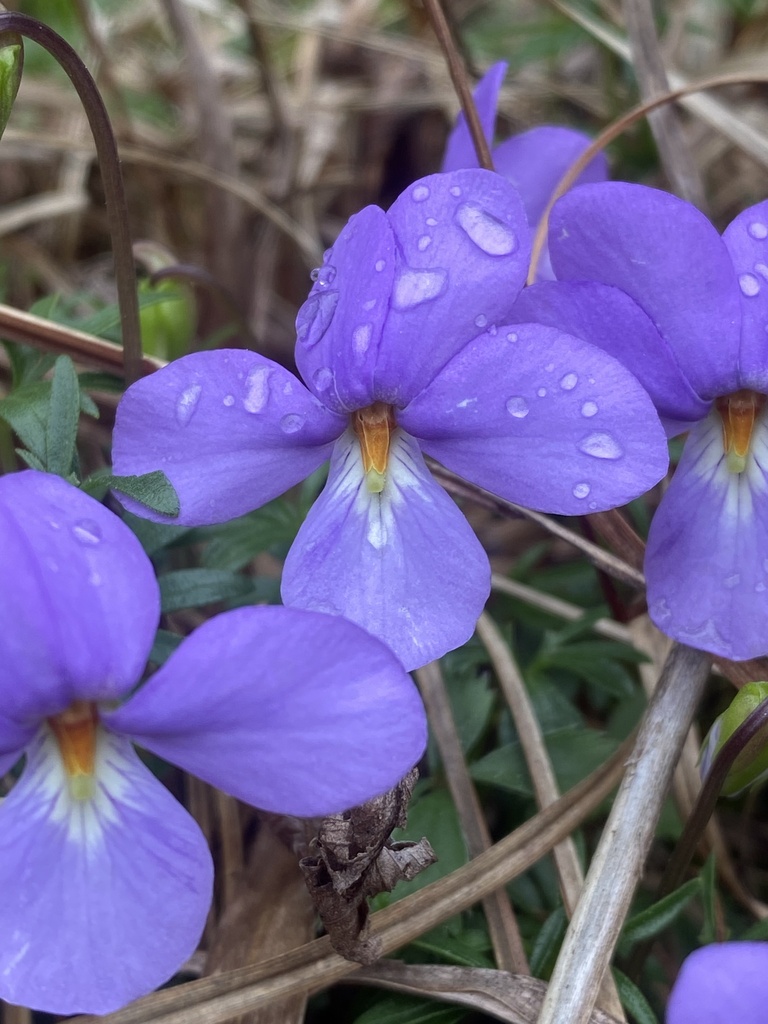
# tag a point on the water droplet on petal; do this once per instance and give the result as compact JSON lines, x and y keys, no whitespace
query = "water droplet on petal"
{"x":368,"y":306}
{"x":488,"y":233}
{"x":327,"y":254}
{"x":581,"y":490}
{"x":517,"y":407}
{"x":481,"y":320}
{"x":758,"y":230}
{"x":187,"y":404}
{"x":229,"y":400}
{"x":589,"y":409}
{"x":314,"y":317}
{"x":416,"y":286}
{"x":511,"y":336}
{"x":420,"y":193}
{"x":762,"y":270}
{"x":549,"y":367}
{"x":455,"y":190}
{"x":361,"y":337}
{"x":291,"y":422}
{"x":87,"y":532}
{"x":732,"y":581}
{"x":759,"y":588}
{"x":257,"y":389}
{"x":749,"y":285}
{"x":431,"y":222}
{"x":322,"y":378}
{"x":542,"y":392}
{"x":569,"y":382}
{"x":379,"y":265}
{"x":601,"y":446}
{"x":323,"y":276}
{"x":424,"y":242}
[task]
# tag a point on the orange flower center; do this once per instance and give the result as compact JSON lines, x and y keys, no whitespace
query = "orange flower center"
{"x":374,"y":425}
{"x":738,"y":412}
{"x":75,"y":732}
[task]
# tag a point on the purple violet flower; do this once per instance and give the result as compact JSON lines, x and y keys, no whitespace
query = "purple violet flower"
{"x":725,"y":983}
{"x":646,"y":277}
{"x":106,"y":879}
{"x":534,"y":161}
{"x":403,"y":351}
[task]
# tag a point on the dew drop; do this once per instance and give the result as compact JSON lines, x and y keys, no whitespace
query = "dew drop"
{"x":187,"y":404}
{"x":291,"y":422}
{"x":758,"y":230}
{"x":424,"y":242}
{"x":762,"y":270}
{"x":314,"y":317}
{"x":517,"y":407}
{"x":542,"y":392}
{"x":431,"y":222}
{"x":589,"y":409}
{"x":257,"y":389}
{"x":732,"y":581}
{"x":601,"y":446}
{"x":379,"y":265}
{"x":511,"y":336}
{"x":361,"y":337}
{"x":416,"y":286}
{"x":749,"y":285}
{"x":581,"y":490}
{"x":322,"y":378}
{"x":323,"y":276}
{"x":488,"y":233}
{"x":327,"y":254}
{"x":481,"y":320}
{"x":569,"y":382}
{"x":420,"y":193}
{"x":368,"y":306}
{"x":229,"y":400}
{"x":455,"y":190}
{"x":87,"y":532}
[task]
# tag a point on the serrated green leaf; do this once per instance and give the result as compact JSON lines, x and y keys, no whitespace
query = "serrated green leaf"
{"x":633,"y":1000}
{"x":29,"y":459}
{"x":63,"y":417}
{"x":407,"y":1010}
{"x":153,"y":537}
{"x":236,"y":543}
{"x":547,"y":944}
{"x":25,"y":410}
{"x":190,"y":588}
{"x":654,"y":919}
{"x":154,"y":490}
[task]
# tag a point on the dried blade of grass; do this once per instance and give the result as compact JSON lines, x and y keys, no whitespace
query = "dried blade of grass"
{"x":609,"y":563}
{"x":569,"y":873}
{"x":28,"y":329}
{"x":314,"y":966}
{"x":712,"y":111}
{"x":618,"y":862}
{"x":15,"y":1014}
{"x":665,"y":122}
{"x":515,"y":999}
{"x":502,"y":925}
{"x":42,"y":207}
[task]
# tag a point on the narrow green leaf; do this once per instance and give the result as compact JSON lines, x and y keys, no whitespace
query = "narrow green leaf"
{"x":633,"y":1000}
{"x":154,"y":490}
{"x":189,"y":588}
{"x":648,"y":923}
{"x":547,"y":944}
{"x":63,"y":417}
{"x":407,"y":1010}
{"x":709,"y":899}
{"x":11,"y":66}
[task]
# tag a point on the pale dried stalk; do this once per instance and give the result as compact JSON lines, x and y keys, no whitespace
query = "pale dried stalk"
{"x":569,"y":873}
{"x":618,"y":862}
{"x":314,"y":966}
{"x":505,"y":935}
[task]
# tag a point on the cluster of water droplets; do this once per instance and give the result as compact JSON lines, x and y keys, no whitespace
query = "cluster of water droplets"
{"x":749,"y":283}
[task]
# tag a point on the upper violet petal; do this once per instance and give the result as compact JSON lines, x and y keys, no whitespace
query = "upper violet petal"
{"x":543,"y":419}
{"x":339,"y":327}
{"x":535,"y":161}
{"x":608,"y":318}
{"x":746,"y":239}
{"x":404,"y":564}
{"x":230,"y":429}
{"x":724,"y":983}
{"x":79,"y":602}
{"x":460,"y":150}
{"x":295,"y":712}
{"x":103,"y":898}
{"x":707,"y":557}
{"x":666,"y":255}
{"x":463,"y":251}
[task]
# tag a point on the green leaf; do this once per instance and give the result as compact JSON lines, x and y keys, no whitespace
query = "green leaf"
{"x":234,"y":544}
{"x":470,"y":948}
{"x":153,"y":537}
{"x":164,"y":645}
{"x":29,"y":459}
{"x":11,"y":66}
{"x":190,"y":588}
{"x":25,"y":410}
{"x":433,"y":815}
{"x":648,"y":923}
{"x":547,"y":944}
{"x":154,"y":490}
{"x":406,"y":1010}
{"x":63,"y":417}
{"x":709,"y":899}
{"x":633,"y":1000}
